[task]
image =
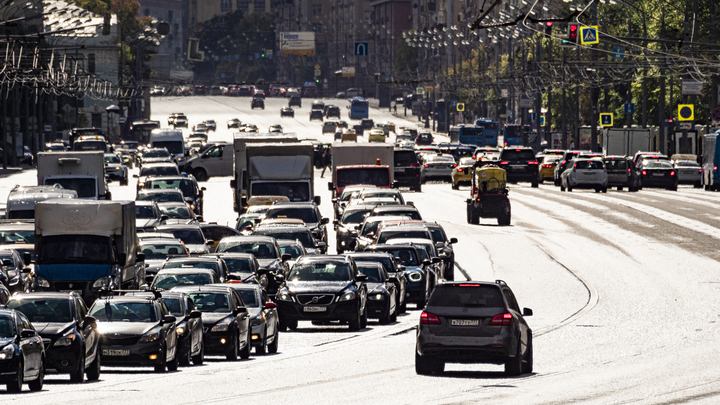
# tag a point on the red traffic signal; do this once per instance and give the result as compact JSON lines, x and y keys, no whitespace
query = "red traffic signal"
{"x":549,"y":23}
{"x":572,"y":32}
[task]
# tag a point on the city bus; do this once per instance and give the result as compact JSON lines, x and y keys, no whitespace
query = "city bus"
{"x":513,"y":134}
{"x":140,"y":130}
{"x":473,"y":135}
{"x":491,"y":130}
{"x":359,"y":108}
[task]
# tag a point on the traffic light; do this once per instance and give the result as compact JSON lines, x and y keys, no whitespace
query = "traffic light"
{"x":572,"y":33}
{"x":262,"y":55}
{"x":548,"y":28}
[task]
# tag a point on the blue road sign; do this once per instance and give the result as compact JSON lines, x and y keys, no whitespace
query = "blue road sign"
{"x":453,"y":103}
{"x":361,"y":49}
{"x":629,"y":108}
{"x":542,"y":120}
{"x":606,"y":119}
{"x":533,"y":117}
{"x":618,"y":52}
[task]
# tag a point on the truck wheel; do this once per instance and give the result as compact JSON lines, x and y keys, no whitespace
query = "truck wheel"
{"x":200,"y":174}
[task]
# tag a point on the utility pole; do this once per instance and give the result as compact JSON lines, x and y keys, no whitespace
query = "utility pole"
{"x":538,"y":96}
{"x":548,"y":115}
{"x":563,"y":114}
{"x":576,"y":127}
{"x":594,"y":89}
{"x":628,"y":98}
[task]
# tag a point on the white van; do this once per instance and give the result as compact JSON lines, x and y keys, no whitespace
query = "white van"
{"x":21,"y":200}
{"x":172,"y":140}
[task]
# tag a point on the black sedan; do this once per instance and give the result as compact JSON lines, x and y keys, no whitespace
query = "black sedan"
{"x":70,"y":336}
{"x":136,"y":331}
{"x":226,"y":323}
{"x":658,"y":173}
{"x":417,"y":271}
{"x":287,"y":112}
{"x":395,"y":272}
{"x":22,"y":353}
{"x":321,"y":289}
{"x":382,"y":297}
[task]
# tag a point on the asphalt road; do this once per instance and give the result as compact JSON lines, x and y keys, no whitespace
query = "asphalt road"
{"x":624,"y":288}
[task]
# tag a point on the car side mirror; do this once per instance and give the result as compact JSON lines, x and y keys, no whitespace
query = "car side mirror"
{"x":325,"y":221}
{"x":436,"y":260}
{"x":240,"y":310}
{"x":426,"y":262}
{"x":122,"y":259}
{"x":336,"y":222}
{"x":164,"y":217}
{"x":209,"y":242}
{"x":361,"y":277}
{"x":168,"y":319}
{"x":321,"y":244}
{"x":317,"y":200}
{"x":343,"y":205}
{"x":140,"y":257}
{"x":285,"y":257}
{"x":89,"y":322}
{"x":27,"y":259}
{"x":331,"y":186}
{"x":27,"y":333}
{"x":334,"y":200}
{"x":195,"y":314}
{"x":354,"y":234}
{"x":269,"y":305}
{"x":135,"y":176}
{"x":453,"y":240}
{"x":527,"y":312}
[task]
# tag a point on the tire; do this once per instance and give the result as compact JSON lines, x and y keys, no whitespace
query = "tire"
{"x":569,"y":189}
{"x":16,"y":386}
{"x":418,"y":188}
{"x":262,"y":349}
{"x":37,"y":384}
{"x":527,"y":366}
{"x":160,"y":368}
{"x":403,"y":307}
{"x":273,"y":347}
{"x":184,"y":357}
{"x":245,"y":352}
{"x":597,"y":190}
{"x":384,"y":320}
{"x":364,"y":319}
{"x":455,"y":186}
{"x":292,"y":325}
{"x":604,"y":190}
{"x":173,"y":365}
{"x":199,"y":358}
{"x":393,"y":317}
{"x":355,"y":324}
{"x":232,"y":353}
{"x":78,"y":375}
{"x":93,"y":372}
{"x":474,"y":217}
{"x":423,"y":365}
{"x":513,"y":365}
{"x":504,"y":220}
{"x":562,"y":188}
{"x":124,"y":181}
{"x":534,"y":184}
{"x":697,"y":185}
{"x":200,"y":174}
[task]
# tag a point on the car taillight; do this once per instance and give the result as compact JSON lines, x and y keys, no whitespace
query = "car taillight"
{"x":426,"y":165}
{"x":460,"y":169}
{"x":427,"y":318}
{"x":501,"y":319}
{"x":700,"y":171}
{"x":714,"y":167}
{"x":533,"y":162}
{"x":454,"y":164}
{"x":468,"y":285}
{"x":629,"y":170}
{"x":474,"y":156}
{"x":672,"y":173}
{"x":414,"y":164}
{"x":644,"y":173}
{"x":474,"y":189}
{"x":504,"y":162}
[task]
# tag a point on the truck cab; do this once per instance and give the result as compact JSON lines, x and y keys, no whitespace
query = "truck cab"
{"x":370,"y":164}
{"x":83,"y":172}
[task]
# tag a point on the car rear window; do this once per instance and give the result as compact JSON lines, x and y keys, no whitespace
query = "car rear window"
{"x":466,"y":295}
{"x":405,"y":158}
{"x":616,"y":164}
{"x":517,"y":154}
{"x":588,"y":165}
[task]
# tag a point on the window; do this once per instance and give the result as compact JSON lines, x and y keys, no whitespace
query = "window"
{"x":170,"y":15}
{"x":242,"y":4}
{"x":259,"y":5}
{"x":91,"y":63}
{"x":225,"y":6}
{"x":317,"y":9}
{"x":317,"y":28}
{"x":97,"y":120}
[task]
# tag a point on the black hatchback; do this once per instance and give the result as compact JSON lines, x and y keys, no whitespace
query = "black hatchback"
{"x":658,"y":173}
{"x":473,"y":322}
{"x":70,"y":336}
{"x":520,"y":164}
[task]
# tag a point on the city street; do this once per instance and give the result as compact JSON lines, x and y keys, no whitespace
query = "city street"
{"x":623,"y":286}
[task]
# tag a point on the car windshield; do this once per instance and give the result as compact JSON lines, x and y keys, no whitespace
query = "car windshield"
{"x":382,"y":194}
{"x":65,"y":249}
{"x":261,"y":250}
{"x":210,"y":301}
{"x":110,"y":311}
{"x":183,"y":264}
{"x":175,"y":211}
{"x":173,"y":305}
{"x":385,"y":261}
{"x":372,"y":271}
{"x":18,"y":236}
{"x":238,"y":265}
{"x":387,"y":235}
{"x":413,"y":214}
{"x":43,"y":310}
{"x":469,"y":295}
{"x":186,"y":186}
{"x":250,"y":298}
{"x":306,"y":215}
{"x":320,"y":272}
{"x":437,"y":235}
{"x":144,"y":212}
{"x":589,"y":165}
{"x":174,"y":147}
{"x":161,"y":197}
{"x":406,"y":257}
{"x":354,"y":217}
{"x":113,"y":159}
{"x":188,"y":236}
{"x":294,"y":191}
{"x":293,"y":250}
{"x":7,"y":327}
{"x":159,"y":171}
{"x":167,"y":281}
{"x":305,"y":237}
{"x":161,"y":250}
{"x":154,"y":153}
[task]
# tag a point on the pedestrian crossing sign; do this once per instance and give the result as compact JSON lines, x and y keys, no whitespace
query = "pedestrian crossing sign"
{"x":606,"y":119}
{"x":589,"y":35}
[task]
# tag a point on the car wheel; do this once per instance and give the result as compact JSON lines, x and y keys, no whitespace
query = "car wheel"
{"x":273,"y":347}
{"x":160,"y":368}
{"x":363,"y":319}
{"x":173,"y":365}
{"x":262,"y":349}
{"x":527,"y":366}
{"x":455,"y":186}
{"x":386,"y":319}
{"x":355,"y":324}
{"x":393,"y":317}
{"x":93,"y":372}
{"x":403,"y":307}
{"x":604,"y":190}
{"x":15,"y":386}
{"x":569,"y":189}
{"x":513,"y":365}
{"x":184,"y":357}
{"x":418,"y":188}
{"x":232,"y":353}
{"x":199,"y":358}
{"x":423,"y":365}
{"x":200,"y":174}
{"x":245,"y":352}
{"x":78,"y":375}
{"x":534,"y":184}
{"x":37,"y":384}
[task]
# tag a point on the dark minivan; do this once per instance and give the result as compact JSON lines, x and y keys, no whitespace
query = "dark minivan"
{"x":407,"y":169}
{"x":621,"y":173}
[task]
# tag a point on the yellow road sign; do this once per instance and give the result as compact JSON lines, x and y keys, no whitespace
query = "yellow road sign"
{"x":686,"y":112}
{"x":589,"y":35}
{"x":460,"y":106}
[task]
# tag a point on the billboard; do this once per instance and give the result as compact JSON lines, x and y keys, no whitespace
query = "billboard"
{"x":297,"y":43}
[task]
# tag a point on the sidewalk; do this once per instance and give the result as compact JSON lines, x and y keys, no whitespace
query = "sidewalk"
{"x":10,"y":171}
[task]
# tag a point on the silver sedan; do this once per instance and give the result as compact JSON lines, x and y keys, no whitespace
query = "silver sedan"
{"x":437,"y":166}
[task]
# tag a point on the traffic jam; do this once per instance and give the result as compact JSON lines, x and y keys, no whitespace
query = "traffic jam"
{"x":90,"y":282}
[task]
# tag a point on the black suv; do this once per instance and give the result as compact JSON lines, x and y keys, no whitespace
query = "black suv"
{"x":309,"y":213}
{"x":407,"y":169}
{"x":332,"y":111}
{"x":316,"y":115}
{"x":520,"y":164}
{"x":473,"y":322}
{"x":257,"y":102}
{"x":192,"y":192}
{"x":70,"y":336}
{"x":323,"y":288}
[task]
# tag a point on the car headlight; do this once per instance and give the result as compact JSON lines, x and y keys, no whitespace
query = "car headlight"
{"x":150,"y":337}
{"x":376,"y":297}
{"x":256,"y":321}
{"x":180,"y":330}
{"x":7,"y":352}
{"x":42,"y":283}
{"x":415,"y":276}
{"x":283,"y":295}
{"x":141,"y":185}
{"x":180,"y":159}
{"x":66,"y":340}
{"x":223,"y":327}
{"x":348,"y":296}
{"x":117,"y":167}
{"x":102,"y":282}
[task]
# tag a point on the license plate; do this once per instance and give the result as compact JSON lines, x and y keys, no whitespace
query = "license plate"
{"x":113,"y":352}
{"x":464,"y":322}
{"x":400,"y":170}
{"x":517,"y":168}
{"x":315,"y":309}
{"x":658,"y":174}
